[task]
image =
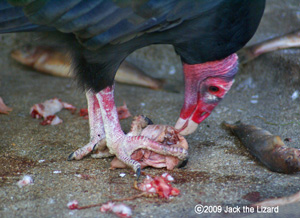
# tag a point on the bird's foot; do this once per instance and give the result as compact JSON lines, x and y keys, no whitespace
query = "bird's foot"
{"x":169,"y":150}
{"x":156,"y":142}
{"x":3,"y":108}
{"x":94,"y":145}
{"x":97,"y":134}
{"x":126,"y":145}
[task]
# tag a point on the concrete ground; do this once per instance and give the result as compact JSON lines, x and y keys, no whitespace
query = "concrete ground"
{"x":220,"y":171}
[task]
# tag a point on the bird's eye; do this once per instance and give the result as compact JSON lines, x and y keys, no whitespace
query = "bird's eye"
{"x":213,"y":89}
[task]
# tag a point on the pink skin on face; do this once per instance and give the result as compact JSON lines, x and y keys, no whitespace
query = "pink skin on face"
{"x":205,"y":86}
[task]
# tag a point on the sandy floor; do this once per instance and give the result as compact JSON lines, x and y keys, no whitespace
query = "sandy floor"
{"x":220,"y":171}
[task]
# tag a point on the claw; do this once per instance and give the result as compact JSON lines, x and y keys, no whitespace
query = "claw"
{"x":71,"y":156}
{"x":138,"y":173}
{"x":87,"y":149}
{"x":148,"y":120}
{"x":95,"y":147}
{"x":182,"y":163}
{"x":135,"y":165}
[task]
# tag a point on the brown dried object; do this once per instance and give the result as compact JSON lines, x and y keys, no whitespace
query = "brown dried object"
{"x":267,"y":148}
{"x":278,"y":201}
{"x":289,"y":40}
{"x":50,"y":60}
{"x":3,"y":108}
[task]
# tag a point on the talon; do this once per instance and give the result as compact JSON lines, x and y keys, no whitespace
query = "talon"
{"x":87,"y":149}
{"x":71,"y":156}
{"x":183,"y":163}
{"x":95,"y":147}
{"x":138,"y":173}
{"x":148,"y":120}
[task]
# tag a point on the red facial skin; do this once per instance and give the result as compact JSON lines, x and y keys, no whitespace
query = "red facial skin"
{"x":205,"y":86}
{"x":211,"y":92}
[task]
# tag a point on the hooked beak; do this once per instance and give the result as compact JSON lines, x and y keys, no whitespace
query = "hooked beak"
{"x":188,"y":125}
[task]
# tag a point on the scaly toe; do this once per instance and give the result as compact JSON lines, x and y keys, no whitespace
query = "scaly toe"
{"x":71,"y":156}
{"x":148,"y":120}
{"x":81,"y":152}
{"x":93,"y":145}
{"x":134,"y":143}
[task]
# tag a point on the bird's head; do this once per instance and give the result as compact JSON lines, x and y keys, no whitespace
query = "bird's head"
{"x":205,"y":86}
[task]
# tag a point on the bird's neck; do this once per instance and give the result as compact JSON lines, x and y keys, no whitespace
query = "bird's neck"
{"x":222,"y":68}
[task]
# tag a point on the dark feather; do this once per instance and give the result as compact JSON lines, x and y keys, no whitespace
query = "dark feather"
{"x":109,"y":30}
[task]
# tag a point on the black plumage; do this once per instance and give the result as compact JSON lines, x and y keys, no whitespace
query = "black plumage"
{"x":106,"y":31}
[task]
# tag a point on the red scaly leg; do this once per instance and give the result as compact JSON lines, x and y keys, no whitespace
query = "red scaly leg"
{"x":97,"y":134}
{"x":123,"y":145}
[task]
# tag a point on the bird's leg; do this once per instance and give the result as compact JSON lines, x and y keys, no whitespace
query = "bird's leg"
{"x":97,"y":134}
{"x":123,"y":145}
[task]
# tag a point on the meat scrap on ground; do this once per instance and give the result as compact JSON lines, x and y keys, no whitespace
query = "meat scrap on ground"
{"x":3,"y":108}
{"x":48,"y":109}
{"x":121,"y":210}
{"x":160,"y":185}
{"x":26,"y":180}
{"x":123,"y":112}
